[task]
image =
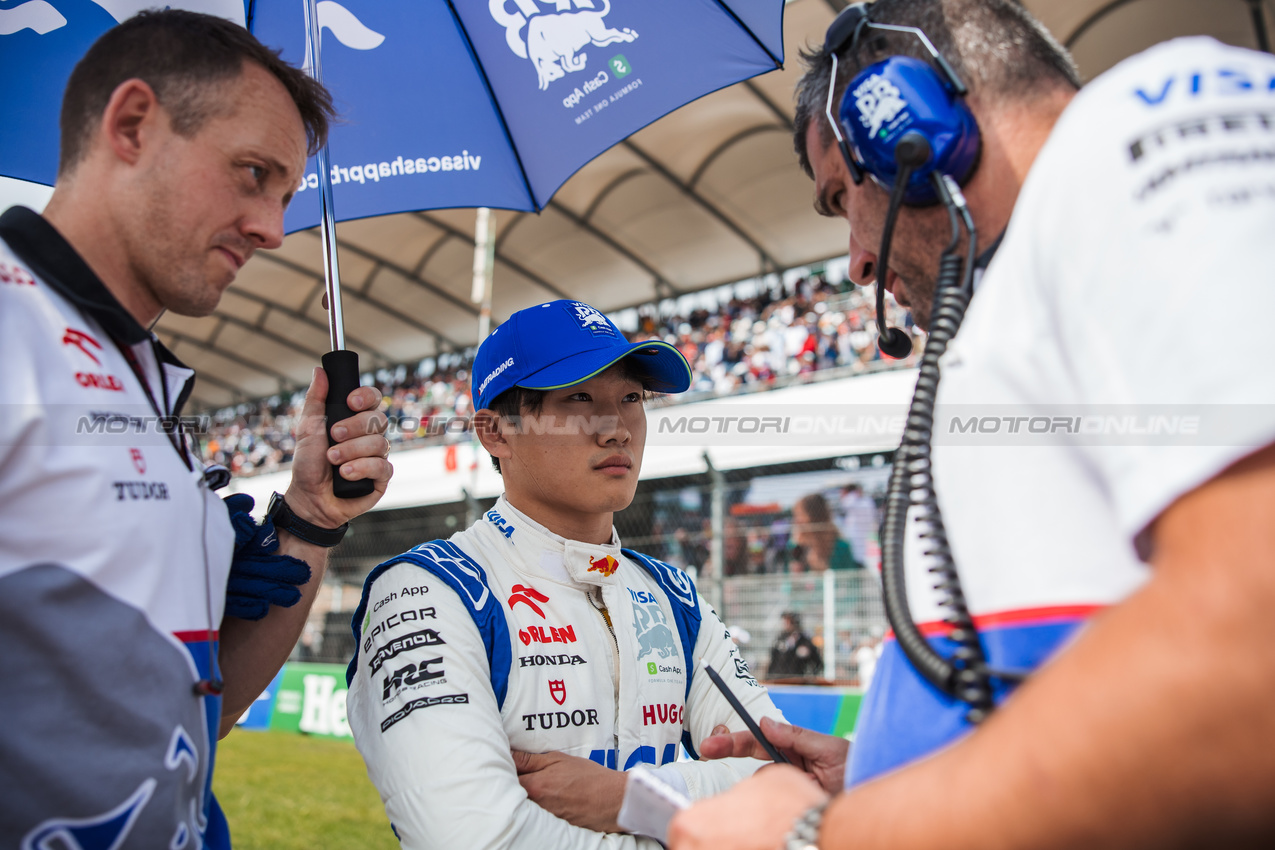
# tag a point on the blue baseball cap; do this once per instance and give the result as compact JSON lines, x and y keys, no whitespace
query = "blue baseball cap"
{"x":564,"y":343}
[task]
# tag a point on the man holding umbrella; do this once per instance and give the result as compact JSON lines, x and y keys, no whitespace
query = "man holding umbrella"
{"x":1106,"y":573}
{"x":139,"y":614}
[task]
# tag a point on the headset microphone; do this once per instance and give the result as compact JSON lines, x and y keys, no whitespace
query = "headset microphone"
{"x":910,"y":153}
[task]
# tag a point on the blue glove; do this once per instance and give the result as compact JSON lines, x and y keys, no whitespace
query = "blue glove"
{"x":258,"y":577}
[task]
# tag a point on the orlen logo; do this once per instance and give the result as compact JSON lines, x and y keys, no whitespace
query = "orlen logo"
{"x":537,"y":634}
{"x":83,"y":342}
{"x":605,"y":565}
{"x":555,"y":40}
{"x":665,"y":712}
{"x":525,"y":595}
{"x":87,"y":345}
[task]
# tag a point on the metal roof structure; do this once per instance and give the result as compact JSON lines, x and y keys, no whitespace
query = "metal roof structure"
{"x":708,"y":195}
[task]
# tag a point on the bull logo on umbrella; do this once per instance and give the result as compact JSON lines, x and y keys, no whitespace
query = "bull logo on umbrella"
{"x":555,"y":41}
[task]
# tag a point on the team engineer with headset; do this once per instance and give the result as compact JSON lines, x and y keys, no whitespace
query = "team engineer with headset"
{"x":1131,"y":580}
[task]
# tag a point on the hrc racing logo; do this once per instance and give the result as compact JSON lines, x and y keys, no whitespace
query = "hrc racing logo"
{"x":502,"y":525}
{"x":590,"y":319}
{"x":410,"y":677}
{"x":653,"y":633}
{"x":558,"y":690}
{"x":605,"y":565}
{"x":525,"y":595}
{"x":555,"y":41}
{"x":537,"y":634}
{"x":878,"y":100}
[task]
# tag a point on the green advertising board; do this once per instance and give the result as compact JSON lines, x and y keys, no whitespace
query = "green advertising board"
{"x":311,"y":699}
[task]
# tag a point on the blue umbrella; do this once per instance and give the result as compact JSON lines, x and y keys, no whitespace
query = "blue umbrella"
{"x":446,"y":104}
{"x":463,"y":103}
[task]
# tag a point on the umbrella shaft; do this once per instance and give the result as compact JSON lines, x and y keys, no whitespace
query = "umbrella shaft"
{"x":331,"y":267}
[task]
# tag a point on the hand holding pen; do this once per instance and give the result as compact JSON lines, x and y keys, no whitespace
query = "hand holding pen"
{"x":822,"y":756}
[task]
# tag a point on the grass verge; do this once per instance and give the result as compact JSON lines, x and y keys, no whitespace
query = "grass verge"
{"x":284,"y":791}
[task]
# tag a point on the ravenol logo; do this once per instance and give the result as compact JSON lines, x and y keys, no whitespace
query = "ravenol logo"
{"x":590,"y":319}
{"x":878,"y":100}
{"x":555,"y":41}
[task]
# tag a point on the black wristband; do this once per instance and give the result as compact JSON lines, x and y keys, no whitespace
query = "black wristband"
{"x":283,"y":518}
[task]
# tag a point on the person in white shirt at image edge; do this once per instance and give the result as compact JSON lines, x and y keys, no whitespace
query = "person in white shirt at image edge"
{"x":1114,"y":568}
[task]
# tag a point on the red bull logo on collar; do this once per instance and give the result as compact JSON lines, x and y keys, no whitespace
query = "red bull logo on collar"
{"x":605,"y":565}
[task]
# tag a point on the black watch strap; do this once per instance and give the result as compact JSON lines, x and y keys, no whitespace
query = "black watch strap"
{"x":282,"y":516}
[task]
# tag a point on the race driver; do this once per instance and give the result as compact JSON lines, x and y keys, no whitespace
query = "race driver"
{"x":532,"y":643}
{"x":1130,"y":572}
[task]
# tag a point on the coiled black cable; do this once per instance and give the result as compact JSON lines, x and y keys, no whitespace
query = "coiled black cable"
{"x":966,"y":675}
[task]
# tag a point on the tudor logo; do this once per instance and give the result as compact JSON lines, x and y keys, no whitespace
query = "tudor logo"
{"x":605,"y":565}
{"x":139,"y":462}
{"x":558,"y":690}
{"x":82,"y":341}
{"x":525,"y":595}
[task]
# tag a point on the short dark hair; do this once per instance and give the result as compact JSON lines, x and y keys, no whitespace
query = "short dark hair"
{"x":995,"y":46}
{"x":516,"y":401}
{"x":186,"y":58}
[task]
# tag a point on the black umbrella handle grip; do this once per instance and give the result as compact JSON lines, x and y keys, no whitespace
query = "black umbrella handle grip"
{"x":342,"y":367}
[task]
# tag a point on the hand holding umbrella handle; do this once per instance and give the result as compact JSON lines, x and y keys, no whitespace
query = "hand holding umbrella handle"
{"x":342,"y":367}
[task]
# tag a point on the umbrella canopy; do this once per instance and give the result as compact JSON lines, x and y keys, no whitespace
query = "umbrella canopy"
{"x":444,"y":104}
{"x":497,"y":102}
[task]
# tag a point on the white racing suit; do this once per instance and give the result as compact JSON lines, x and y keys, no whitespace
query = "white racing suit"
{"x":508,"y":636}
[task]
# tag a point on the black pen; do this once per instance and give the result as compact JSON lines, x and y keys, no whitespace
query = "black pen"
{"x":775,"y":755}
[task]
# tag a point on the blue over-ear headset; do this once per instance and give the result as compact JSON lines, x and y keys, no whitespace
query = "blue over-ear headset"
{"x":900,"y":112}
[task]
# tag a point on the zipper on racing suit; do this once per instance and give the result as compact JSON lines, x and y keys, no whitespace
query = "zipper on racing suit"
{"x":600,"y":606}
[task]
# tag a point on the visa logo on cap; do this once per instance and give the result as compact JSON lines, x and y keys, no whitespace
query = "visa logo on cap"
{"x":590,"y":319}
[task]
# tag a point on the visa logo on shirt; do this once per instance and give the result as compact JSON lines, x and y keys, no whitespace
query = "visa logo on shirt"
{"x":1220,"y":81}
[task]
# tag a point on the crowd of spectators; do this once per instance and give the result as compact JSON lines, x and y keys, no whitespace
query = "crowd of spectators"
{"x":745,"y":343}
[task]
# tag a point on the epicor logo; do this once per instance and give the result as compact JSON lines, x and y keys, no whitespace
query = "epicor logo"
{"x":554,"y":41}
